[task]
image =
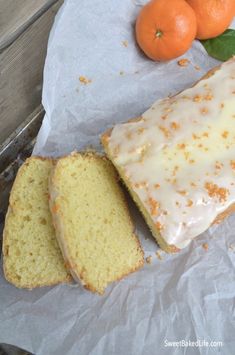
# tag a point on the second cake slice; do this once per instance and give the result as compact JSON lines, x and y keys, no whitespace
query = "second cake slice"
{"x":93,"y":225}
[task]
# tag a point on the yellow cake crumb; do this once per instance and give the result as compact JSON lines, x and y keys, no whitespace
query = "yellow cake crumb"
{"x":31,"y":254}
{"x":158,"y":255}
{"x":225,"y":134}
{"x":205,"y":246}
{"x":148,"y":259}
{"x":84,"y":80}
{"x":183,"y":62}
{"x":92,"y":207}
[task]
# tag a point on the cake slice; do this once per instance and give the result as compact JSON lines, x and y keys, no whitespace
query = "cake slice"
{"x":92,"y":221}
{"x":178,"y":159}
{"x":31,"y":255}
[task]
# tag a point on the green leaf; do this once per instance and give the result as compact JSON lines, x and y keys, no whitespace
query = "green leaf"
{"x":221,"y":47}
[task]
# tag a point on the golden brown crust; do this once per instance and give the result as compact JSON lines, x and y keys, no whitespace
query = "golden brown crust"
{"x":209,"y":73}
{"x":220,"y":217}
{"x":168,"y":247}
{"x":89,"y":287}
{"x":67,"y":280}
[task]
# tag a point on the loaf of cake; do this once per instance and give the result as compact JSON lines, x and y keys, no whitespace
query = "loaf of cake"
{"x":92,"y":221}
{"x":178,"y":159}
{"x":31,"y":255}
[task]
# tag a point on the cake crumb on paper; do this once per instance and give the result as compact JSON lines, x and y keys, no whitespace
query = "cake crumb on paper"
{"x":183,"y":62}
{"x":148,"y":259}
{"x":205,"y":246}
{"x":84,"y":80}
{"x":158,"y":255}
{"x":197,"y":67}
{"x":231,"y":247}
{"x":125,"y":43}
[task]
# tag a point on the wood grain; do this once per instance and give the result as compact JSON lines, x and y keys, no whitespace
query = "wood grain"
{"x":17,"y":15}
{"x":21,"y":67}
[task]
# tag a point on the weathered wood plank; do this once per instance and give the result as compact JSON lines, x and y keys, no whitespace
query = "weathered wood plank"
{"x":17,"y":15}
{"x":18,"y":139}
{"x":21,"y":67}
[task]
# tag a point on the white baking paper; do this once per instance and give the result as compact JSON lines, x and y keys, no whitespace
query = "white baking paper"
{"x":185,"y":297}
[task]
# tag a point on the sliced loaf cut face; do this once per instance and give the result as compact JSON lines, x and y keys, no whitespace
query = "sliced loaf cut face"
{"x":31,"y":255}
{"x":92,"y":221}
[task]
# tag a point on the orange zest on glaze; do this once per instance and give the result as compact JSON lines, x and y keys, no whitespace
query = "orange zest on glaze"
{"x":175,"y":125}
{"x":165,"y":131}
{"x":225,"y":134}
{"x":182,"y":192}
{"x":195,"y":136}
{"x":215,"y":191}
{"x":181,"y":146}
{"x":189,"y":203}
{"x":193,"y":184}
{"x":208,"y":97}
{"x":190,"y":154}
{"x":141,"y":130}
{"x":141,"y":184}
{"x":159,"y":225}
{"x":232,"y":164}
{"x":204,"y":110}
{"x":218,"y":165}
{"x":197,"y":98}
{"x":176,"y":168}
{"x":154,"y":206}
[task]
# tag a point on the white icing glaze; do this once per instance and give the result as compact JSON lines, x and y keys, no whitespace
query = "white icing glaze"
{"x":180,"y":156}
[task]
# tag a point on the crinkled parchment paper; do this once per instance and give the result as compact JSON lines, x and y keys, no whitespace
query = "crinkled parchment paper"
{"x":189,"y":296}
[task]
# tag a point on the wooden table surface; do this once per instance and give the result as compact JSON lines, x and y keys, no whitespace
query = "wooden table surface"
{"x":24,"y":31}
